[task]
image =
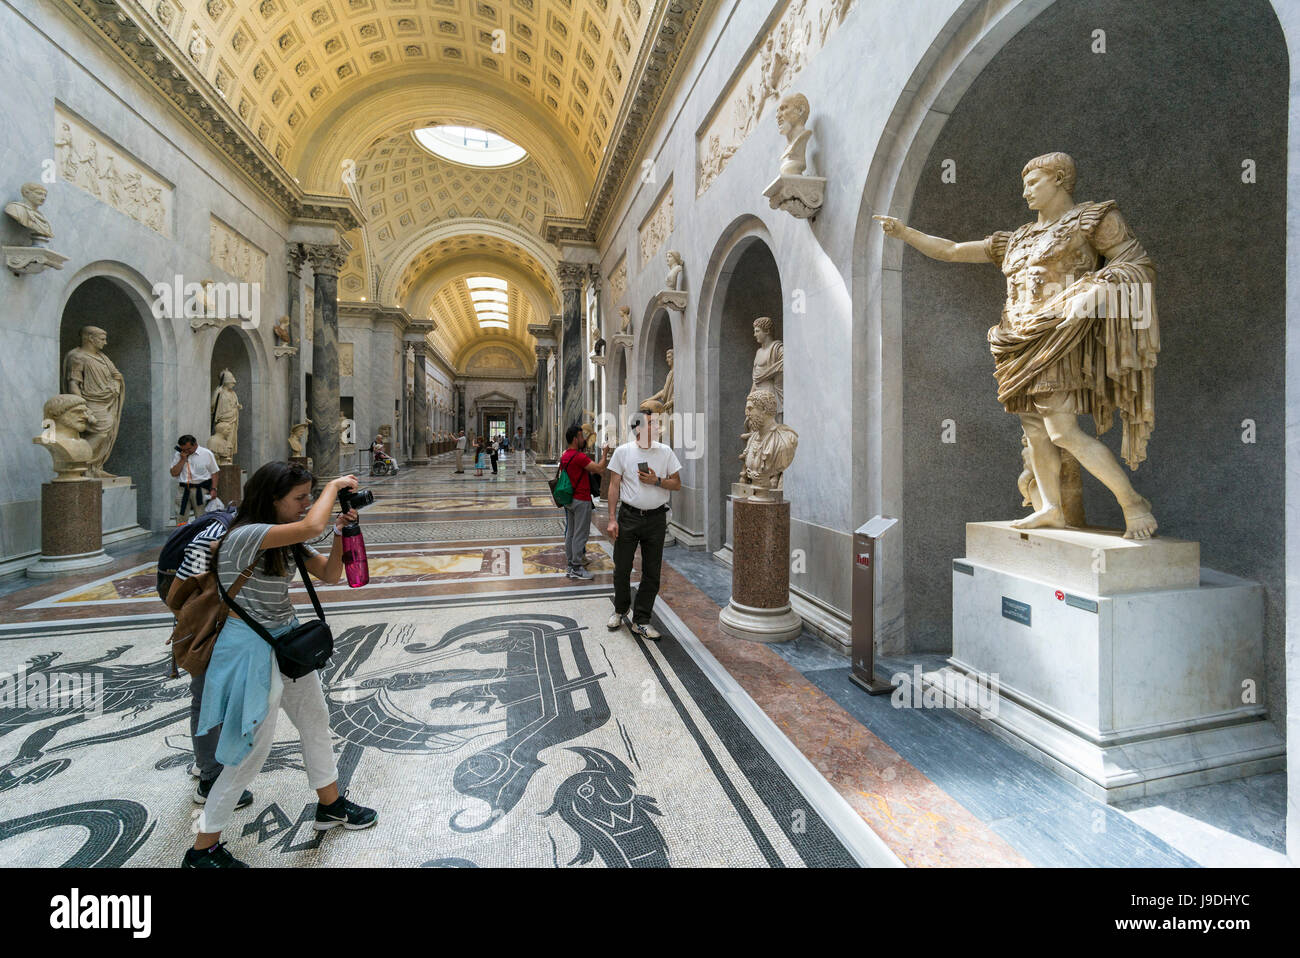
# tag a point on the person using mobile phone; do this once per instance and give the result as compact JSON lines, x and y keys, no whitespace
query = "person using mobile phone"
{"x":642,"y":472}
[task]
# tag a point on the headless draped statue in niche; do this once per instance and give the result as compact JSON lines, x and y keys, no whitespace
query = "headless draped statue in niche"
{"x":770,"y":446}
{"x":90,"y":374}
{"x":769,"y":362}
{"x":1078,"y":335}
{"x":225,"y":408}
{"x":27,"y":213}
{"x":66,"y":420}
{"x":791,"y":117}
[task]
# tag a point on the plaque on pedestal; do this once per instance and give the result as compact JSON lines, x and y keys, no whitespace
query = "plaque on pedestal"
{"x":1105,"y":663}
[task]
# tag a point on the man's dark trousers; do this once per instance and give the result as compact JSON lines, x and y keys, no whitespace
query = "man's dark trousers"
{"x":493,"y":455}
{"x":647,"y":531}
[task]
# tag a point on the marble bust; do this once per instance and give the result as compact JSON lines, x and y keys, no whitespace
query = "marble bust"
{"x":281,"y":330}
{"x":791,"y":120}
{"x":222,"y":442}
{"x":625,"y":328}
{"x":771,"y":446}
{"x":1054,"y":357}
{"x":27,"y":213}
{"x":674,"y":278}
{"x":597,"y":341}
{"x":66,"y":419}
{"x":297,"y":436}
{"x":225,"y":408}
{"x":769,"y":362}
{"x":90,"y":374}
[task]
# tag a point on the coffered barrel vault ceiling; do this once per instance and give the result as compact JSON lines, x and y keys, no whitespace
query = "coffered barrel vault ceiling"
{"x":304,"y":93}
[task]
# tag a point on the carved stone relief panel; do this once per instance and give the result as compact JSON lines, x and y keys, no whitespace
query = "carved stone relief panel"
{"x":618,"y":280}
{"x":345,"y":359}
{"x":229,"y":251}
{"x":658,"y":226}
{"x":95,"y":165}
{"x":799,"y":34}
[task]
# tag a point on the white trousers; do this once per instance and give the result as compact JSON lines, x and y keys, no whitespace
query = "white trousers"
{"x":523,"y":460}
{"x":304,"y":702}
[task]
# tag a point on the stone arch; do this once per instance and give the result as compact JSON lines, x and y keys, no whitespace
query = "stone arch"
{"x":902,"y":167}
{"x":117,"y":299}
{"x":744,"y":253}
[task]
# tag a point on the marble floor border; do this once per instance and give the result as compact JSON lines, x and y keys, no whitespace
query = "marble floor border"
{"x":867,"y":848}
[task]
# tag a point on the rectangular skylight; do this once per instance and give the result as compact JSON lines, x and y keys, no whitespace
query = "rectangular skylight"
{"x":486,"y":282}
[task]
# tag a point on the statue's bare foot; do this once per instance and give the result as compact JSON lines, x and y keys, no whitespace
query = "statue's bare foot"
{"x":1048,"y":517}
{"x":1139,"y":523}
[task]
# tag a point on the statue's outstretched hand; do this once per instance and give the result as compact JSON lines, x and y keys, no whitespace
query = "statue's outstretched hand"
{"x":891,"y":226}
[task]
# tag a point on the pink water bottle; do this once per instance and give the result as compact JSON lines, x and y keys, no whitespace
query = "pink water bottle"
{"x":354,"y":556}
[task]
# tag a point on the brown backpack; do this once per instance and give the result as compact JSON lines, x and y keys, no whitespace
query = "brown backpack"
{"x":200,"y":614}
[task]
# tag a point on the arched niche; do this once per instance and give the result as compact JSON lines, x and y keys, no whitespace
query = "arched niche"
{"x":1210,"y":84}
{"x":230,"y":351}
{"x":746,"y":284}
{"x":113,"y":306}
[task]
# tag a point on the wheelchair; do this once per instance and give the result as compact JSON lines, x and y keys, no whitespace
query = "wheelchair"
{"x":383,"y":466}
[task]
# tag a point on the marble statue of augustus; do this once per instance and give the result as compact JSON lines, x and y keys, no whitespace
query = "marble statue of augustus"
{"x":225,"y":408}
{"x":769,"y":362}
{"x":65,"y":419}
{"x":770,"y":447}
{"x":90,"y":374}
{"x":27,"y":212}
{"x":1078,"y":334}
{"x":791,"y":120}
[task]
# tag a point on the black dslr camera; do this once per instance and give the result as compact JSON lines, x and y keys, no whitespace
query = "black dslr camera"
{"x":355,"y":499}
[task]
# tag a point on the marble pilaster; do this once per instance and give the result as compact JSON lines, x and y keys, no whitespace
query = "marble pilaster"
{"x":539,"y":401}
{"x":323,"y":434}
{"x":293,"y":263}
{"x":419,"y":451}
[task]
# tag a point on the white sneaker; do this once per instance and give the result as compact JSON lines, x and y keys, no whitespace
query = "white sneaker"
{"x":615,"y":622}
{"x":646,"y":631}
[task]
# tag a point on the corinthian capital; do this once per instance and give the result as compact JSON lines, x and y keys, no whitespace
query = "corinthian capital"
{"x":325,"y":259}
{"x":571,"y":275}
{"x":294,"y":258}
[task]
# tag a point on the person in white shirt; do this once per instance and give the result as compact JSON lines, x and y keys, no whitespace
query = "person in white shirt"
{"x":196,"y":467}
{"x":641,"y":474}
{"x":460,"y":451}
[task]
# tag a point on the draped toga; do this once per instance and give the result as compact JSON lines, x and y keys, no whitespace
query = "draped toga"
{"x":1099,"y":364}
{"x":100,"y":384}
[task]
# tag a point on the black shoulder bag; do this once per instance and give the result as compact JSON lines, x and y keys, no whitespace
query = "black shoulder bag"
{"x":304,"y":648}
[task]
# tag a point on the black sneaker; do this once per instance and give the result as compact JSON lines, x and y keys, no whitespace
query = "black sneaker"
{"x":214,"y":857}
{"x":204,"y":788}
{"x":345,"y":813}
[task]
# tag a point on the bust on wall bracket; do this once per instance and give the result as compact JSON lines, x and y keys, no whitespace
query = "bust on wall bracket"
{"x":672,"y":296}
{"x":800,"y":195}
{"x":26,"y":212}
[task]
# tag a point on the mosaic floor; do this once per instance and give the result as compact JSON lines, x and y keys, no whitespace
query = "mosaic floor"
{"x":479,"y":703}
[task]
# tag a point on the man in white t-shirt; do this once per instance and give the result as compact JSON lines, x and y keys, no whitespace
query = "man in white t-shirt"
{"x":196,"y":467}
{"x":641,"y":474}
{"x":461,"y":442}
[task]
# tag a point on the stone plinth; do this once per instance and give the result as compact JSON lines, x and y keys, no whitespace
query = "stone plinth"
{"x":674,"y":299}
{"x":800,"y":196}
{"x":1125,"y":694}
{"x":622,"y":341}
{"x":759,"y":609}
{"x":230,"y":485}
{"x":23,"y":260}
{"x":71,"y":528}
{"x":1093,"y":561}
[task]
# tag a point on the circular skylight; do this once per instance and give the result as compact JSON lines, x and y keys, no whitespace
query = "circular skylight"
{"x":473,"y":147}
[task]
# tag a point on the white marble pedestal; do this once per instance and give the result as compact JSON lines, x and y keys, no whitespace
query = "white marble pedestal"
{"x":1126,"y":694}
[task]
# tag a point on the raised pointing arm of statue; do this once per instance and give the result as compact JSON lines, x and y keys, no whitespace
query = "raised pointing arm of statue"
{"x":935,"y":247}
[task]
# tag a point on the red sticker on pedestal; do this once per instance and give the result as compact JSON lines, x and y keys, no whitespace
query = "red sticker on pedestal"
{"x":1060,"y":596}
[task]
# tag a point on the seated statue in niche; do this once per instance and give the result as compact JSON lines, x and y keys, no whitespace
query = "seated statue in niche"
{"x":1078,"y":334}
{"x":665,"y":397}
{"x":27,"y":213}
{"x":770,"y":446}
{"x":66,"y":418}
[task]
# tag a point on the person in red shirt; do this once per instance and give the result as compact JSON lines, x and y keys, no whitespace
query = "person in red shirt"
{"x":577,"y":514}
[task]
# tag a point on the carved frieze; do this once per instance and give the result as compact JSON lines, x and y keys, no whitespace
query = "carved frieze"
{"x":658,"y":226}
{"x":231,"y":252}
{"x":618,"y":280}
{"x":93,"y":164}
{"x":799,"y":34}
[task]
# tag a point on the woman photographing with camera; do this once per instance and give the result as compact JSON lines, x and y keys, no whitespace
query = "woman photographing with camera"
{"x":243,"y":687}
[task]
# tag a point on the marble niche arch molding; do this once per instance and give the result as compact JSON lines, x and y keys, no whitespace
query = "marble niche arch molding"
{"x":164,"y":378}
{"x":735,"y":240}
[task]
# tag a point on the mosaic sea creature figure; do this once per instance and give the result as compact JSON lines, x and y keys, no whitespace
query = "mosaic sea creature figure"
{"x":601,"y":804}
